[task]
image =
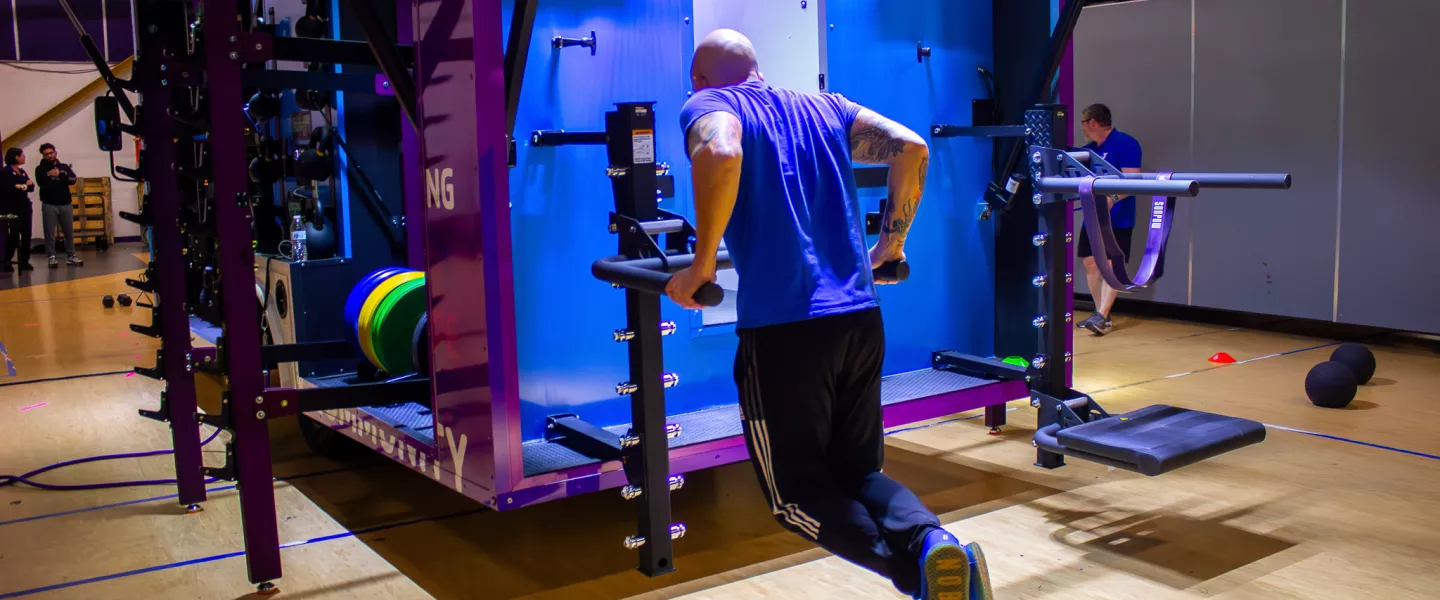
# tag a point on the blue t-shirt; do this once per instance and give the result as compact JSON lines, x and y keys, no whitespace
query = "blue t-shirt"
{"x":1123,"y":151}
{"x":795,"y":235}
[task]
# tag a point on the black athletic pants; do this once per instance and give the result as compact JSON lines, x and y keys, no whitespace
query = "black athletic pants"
{"x":810,"y":395}
{"x":16,"y":236}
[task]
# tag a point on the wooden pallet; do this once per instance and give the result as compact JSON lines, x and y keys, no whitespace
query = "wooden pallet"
{"x":90,"y":203}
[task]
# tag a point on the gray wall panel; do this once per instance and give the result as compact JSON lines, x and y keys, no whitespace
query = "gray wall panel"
{"x":1135,"y":58}
{"x":1267,"y":81}
{"x":1388,"y":246}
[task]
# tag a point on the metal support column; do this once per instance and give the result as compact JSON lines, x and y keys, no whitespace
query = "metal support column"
{"x":162,"y":203}
{"x":236,"y":264}
{"x":631,"y":147}
{"x":1052,"y":282}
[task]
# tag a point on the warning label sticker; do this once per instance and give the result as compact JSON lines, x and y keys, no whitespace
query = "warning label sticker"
{"x":643,"y":146}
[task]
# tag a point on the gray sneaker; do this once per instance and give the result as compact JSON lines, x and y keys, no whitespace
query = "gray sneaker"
{"x":53,"y":263}
{"x":73,"y":261}
{"x":1097,"y":324}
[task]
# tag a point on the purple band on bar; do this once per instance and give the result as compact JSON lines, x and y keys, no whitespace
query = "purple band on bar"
{"x":1103,"y":243}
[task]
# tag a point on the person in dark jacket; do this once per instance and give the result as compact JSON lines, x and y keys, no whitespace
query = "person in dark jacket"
{"x":55,"y":181}
{"x":15,"y":188}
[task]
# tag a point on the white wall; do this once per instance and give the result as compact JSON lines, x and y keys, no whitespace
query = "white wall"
{"x":787,"y":38}
{"x":29,"y":94}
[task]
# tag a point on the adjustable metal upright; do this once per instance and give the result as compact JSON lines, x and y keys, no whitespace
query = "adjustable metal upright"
{"x":227,"y":48}
{"x":1053,"y":281}
{"x":631,"y":150}
{"x":161,"y":209}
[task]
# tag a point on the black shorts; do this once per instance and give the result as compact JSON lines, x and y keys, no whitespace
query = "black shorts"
{"x":1122,"y":236}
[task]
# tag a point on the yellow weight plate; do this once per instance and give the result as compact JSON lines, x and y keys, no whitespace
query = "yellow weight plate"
{"x":372,"y":302}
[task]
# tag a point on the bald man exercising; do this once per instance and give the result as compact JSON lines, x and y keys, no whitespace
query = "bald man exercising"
{"x":773,"y":176}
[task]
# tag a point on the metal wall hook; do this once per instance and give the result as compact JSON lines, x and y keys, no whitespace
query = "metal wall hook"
{"x":563,"y":42}
{"x":922,"y":52}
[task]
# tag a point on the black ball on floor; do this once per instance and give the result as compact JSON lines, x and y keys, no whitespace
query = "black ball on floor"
{"x":1359,"y":358}
{"x":124,"y":299}
{"x":1330,"y":385}
{"x":108,"y":301}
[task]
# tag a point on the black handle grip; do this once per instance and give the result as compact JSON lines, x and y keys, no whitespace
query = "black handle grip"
{"x":894,"y":271}
{"x":709,"y":295}
{"x":650,"y":275}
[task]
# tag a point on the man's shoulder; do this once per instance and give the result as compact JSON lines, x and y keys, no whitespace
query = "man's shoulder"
{"x":1125,"y":138}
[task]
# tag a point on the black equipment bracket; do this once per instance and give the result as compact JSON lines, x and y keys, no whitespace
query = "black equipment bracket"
{"x":978,"y":366}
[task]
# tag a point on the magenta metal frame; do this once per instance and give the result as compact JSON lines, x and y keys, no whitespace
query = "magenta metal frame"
{"x":456,"y":193}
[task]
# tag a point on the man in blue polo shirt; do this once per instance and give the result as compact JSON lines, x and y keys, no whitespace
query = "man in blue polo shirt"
{"x":773,"y":177}
{"x":1123,"y":151}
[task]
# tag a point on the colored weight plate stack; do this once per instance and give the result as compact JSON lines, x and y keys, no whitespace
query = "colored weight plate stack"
{"x":393,"y":329}
{"x":357,"y":298}
{"x":369,"y":311}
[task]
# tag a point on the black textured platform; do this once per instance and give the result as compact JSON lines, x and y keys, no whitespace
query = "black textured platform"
{"x":1161,"y":438}
{"x":695,"y":428}
{"x":411,"y":417}
{"x":721,"y":422}
{"x":925,"y":383}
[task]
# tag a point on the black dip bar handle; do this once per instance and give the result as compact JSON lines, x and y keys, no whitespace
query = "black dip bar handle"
{"x":894,"y":271}
{"x":650,"y":275}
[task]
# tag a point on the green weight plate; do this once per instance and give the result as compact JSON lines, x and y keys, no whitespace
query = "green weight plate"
{"x":393,"y":332}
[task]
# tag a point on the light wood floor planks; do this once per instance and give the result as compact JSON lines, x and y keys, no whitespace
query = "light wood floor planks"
{"x":1299,"y":516}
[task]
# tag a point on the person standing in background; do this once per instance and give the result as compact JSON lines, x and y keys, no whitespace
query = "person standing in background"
{"x":15,"y":188}
{"x":1123,"y":152}
{"x":55,"y":181}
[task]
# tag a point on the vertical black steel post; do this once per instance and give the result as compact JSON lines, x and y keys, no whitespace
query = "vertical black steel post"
{"x":1053,"y":243}
{"x":162,"y":199}
{"x":631,"y":146}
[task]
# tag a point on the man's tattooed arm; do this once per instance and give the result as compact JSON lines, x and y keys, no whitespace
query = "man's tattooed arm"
{"x":877,"y":140}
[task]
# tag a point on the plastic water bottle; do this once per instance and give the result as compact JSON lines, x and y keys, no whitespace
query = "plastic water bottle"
{"x":298,"y":252}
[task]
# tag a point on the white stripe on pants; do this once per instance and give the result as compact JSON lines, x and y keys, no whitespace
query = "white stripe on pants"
{"x":760,"y":445}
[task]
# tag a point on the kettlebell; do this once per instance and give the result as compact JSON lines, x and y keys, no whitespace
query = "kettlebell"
{"x":317,"y":162}
{"x":265,"y":104}
{"x":267,"y":167}
{"x":311,"y":26}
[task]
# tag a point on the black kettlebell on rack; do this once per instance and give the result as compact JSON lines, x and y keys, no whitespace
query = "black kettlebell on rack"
{"x":268,"y":166}
{"x":265,"y":104}
{"x":317,"y":162}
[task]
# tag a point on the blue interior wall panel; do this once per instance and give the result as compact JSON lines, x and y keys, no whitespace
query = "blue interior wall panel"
{"x":948,"y":302}
{"x":560,"y":197}
{"x":46,"y":33}
{"x":7,"y":32}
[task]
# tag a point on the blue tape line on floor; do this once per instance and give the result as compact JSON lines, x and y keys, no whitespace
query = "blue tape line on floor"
{"x":196,"y":561}
{"x":221,"y":488}
{"x":1356,"y":442}
{"x":9,"y":370}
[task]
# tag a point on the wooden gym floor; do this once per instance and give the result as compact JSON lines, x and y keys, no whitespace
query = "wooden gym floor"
{"x":1335,"y":504}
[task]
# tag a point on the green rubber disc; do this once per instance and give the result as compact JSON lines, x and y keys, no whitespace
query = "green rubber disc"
{"x":1017,"y":361}
{"x":393,"y":333}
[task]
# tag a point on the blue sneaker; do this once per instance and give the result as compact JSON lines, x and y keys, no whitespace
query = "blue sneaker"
{"x":944,"y":568}
{"x":979,"y":573}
